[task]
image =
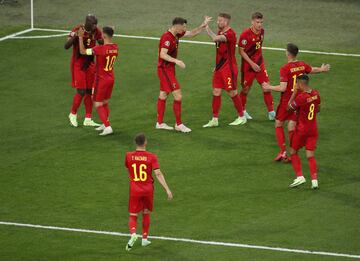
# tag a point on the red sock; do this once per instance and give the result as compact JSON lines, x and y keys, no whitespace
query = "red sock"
{"x":280,"y":137}
{"x":268,"y":99}
{"x":313,"y":168}
{"x":132,"y":224}
{"x":76,"y":103}
{"x":103,"y":115}
{"x":216,"y":104}
{"x":291,"y":134}
{"x":161,"y":104}
{"x":177,"y":111}
{"x":243,"y":97}
{"x":106,"y":106}
{"x":238,"y":105}
{"x":145,"y":225}
{"x":296,"y":163}
{"x":88,"y":105}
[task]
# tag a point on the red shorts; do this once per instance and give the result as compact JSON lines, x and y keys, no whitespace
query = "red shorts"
{"x":139,"y":202}
{"x":225,"y":78}
{"x":168,"y":81}
{"x":300,"y":140}
{"x":82,"y":79}
{"x":248,"y":75}
{"x":282,"y":114}
{"x":103,"y":89}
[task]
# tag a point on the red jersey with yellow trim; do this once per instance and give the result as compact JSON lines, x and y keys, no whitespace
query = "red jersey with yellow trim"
{"x":170,"y":42}
{"x":105,"y":59}
{"x":288,"y":73}
{"x":89,"y":42}
{"x":225,"y":51}
{"x":140,"y":165}
{"x":307,"y":105}
{"x":252,"y":44}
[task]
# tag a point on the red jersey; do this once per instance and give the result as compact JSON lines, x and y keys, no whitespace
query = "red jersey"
{"x":89,"y":42}
{"x":105,"y":58}
{"x":225,"y":51}
{"x":252,"y":44}
{"x":140,"y":165}
{"x":288,"y":73}
{"x":170,"y":42}
{"x":306,"y":105}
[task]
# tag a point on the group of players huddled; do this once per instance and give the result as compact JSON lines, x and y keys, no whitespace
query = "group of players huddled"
{"x":93,"y":78}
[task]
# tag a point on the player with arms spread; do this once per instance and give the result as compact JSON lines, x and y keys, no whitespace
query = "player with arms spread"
{"x":168,"y":50}
{"x":288,"y":74}
{"x":104,"y":79}
{"x":83,"y":69}
{"x":225,"y":71}
{"x":140,"y":165}
{"x":252,"y":63}
{"x":307,"y":106}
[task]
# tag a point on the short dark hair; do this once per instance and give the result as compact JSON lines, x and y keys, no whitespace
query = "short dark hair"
{"x":304,"y":78}
{"x":225,"y":15}
{"x":92,"y":18}
{"x":257,"y":15}
{"x":292,"y":49}
{"x":109,"y":31}
{"x":179,"y":20}
{"x":140,"y":139}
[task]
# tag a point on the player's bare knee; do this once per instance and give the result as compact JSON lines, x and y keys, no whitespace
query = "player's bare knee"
{"x":163,"y":95}
{"x":232,"y":93}
{"x":177,"y":95}
{"x":292,"y":151}
{"x":310,"y":153}
{"x":278,"y":124}
{"x":146,"y":211}
{"x":98,"y":104}
{"x":216,"y":91}
{"x":133,"y":214}
{"x":291,"y":125}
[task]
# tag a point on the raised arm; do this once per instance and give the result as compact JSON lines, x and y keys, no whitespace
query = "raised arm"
{"x":198,"y":29}
{"x":323,"y":68}
{"x":164,"y":55}
{"x":278,"y":88}
{"x":82,"y":48}
{"x":160,"y":177}
{"x":70,"y":40}
{"x":215,"y":37}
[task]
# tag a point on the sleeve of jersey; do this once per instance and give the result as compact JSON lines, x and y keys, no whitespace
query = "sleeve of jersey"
{"x":99,"y":35}
{"x":242,"y":41}
{"x":231,"y":38}
{"x":126,"y":161}
{"x":155,"y":163}
{"x":165,"y":43}
{"x":94,"y":51}
{"x":73,"y":32}
{"x":283,"y":75}
{"x":308,"y":68}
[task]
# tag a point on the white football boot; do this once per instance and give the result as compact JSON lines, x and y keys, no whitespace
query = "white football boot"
{"x":107,"y":131}
{"x":239,"y":121}
{"x":163,"y":126}
{"x":247,"y":115}
{"x":90,"y":122}
{"x":100,"y":128}
{"x":182,"y":128}
{"x":214,"y":122}
{"x":297,"y":182}
{"x":314,"y":184}
{"x":73,"y":120}
{"x":131,"y":242}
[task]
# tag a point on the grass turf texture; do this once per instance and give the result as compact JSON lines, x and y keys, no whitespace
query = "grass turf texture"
{"x":226,"y":186}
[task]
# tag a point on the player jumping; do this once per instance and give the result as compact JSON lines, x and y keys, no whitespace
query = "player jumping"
{"x":307,"y":106}
{"x":140,"y":165}
{"x":168,"y":49}
{"x":252,"y":63}
{"x":288,"y":74}
{"x":225,"y":71}
{"x":104,"y":80}
{"x":83,"y":69}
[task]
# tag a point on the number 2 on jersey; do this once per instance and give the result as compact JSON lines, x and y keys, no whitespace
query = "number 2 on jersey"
{"x":311,"y":112}
{"x":110,"y":60}
{"x":141,"y":175}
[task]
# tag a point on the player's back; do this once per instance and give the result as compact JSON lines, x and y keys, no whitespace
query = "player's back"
{"x":140,"y":165}
{"x":105,"y":59}
{"x":308,"y":104}
{"x":288,"y":73}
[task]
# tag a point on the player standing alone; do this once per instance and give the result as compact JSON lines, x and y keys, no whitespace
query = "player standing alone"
{"x":307,"y":106}
{"x":168,"y":49}
{"x":252,"y":63}
{"x":226,"y":70}
{"x":140,"y":165}
{"x":83,"y":69}
{"x":104,"y":79}
{"x":288,"y":75}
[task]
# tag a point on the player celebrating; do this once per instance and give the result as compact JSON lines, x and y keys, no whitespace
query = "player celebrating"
{"x":226,"y":70}
{"x":168,"y":49}
{"x":105,"y":59}
{"x":140,"y":165}
{"x":83,"y":69}
{"x":307,"y":106}
{"x":288,"y":74}
{"x":252,"y":63}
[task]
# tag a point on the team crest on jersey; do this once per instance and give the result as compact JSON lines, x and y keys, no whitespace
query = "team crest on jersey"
{"x":244,"y":42}
{"x":167,"y":43}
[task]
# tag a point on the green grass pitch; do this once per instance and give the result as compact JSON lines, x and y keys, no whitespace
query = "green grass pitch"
{"x":226,"y":186}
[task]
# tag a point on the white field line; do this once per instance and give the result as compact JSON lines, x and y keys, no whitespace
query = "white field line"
{"x":213,"y":243}
{"x":16,"y":34}
{"x":39,"y":36}
{"x":194,"y":42}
